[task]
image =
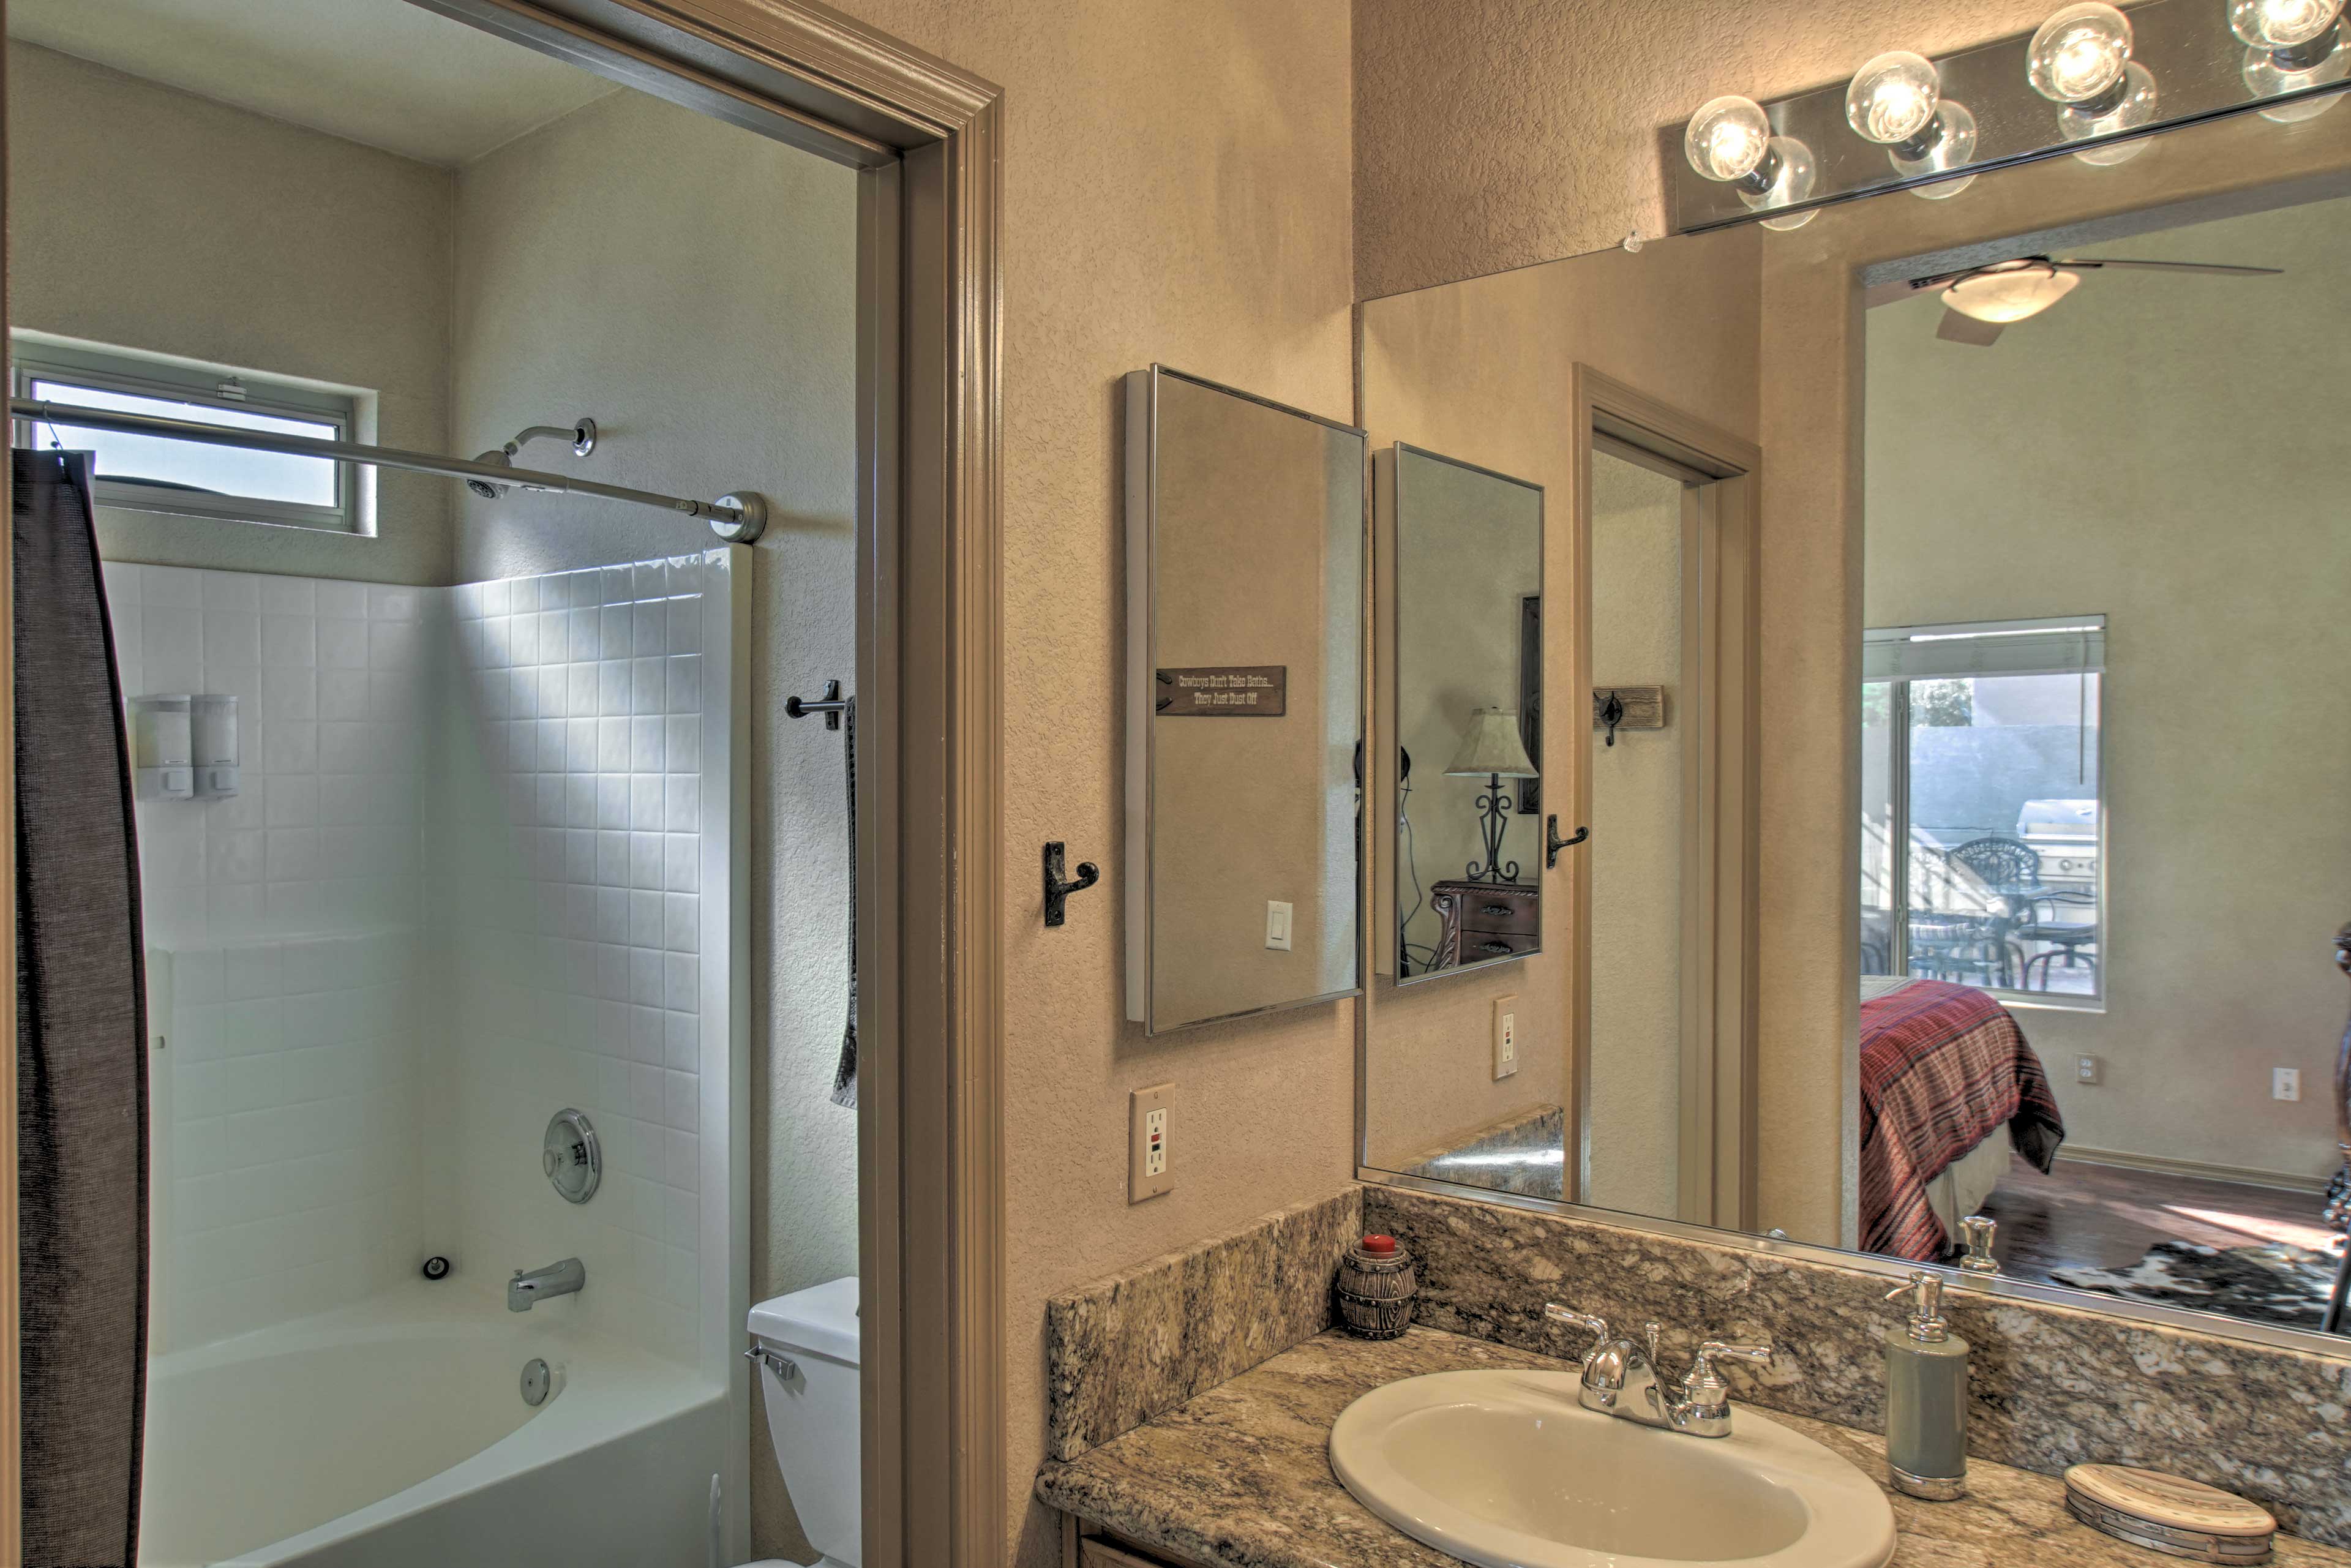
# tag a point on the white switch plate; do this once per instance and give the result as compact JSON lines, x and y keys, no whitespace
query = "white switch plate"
{"x":2086,"y":1070}
{"x":1277,"y":926}
{"x":1150,"y":1171}
{"x":1506,"y":1037}
{"x":2285,"y":1083}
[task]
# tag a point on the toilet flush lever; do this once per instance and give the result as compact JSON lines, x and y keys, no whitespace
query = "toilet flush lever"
{"x":781,"y":1366}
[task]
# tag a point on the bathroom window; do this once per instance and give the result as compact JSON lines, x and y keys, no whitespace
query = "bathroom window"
{"x":1983,"y":813}
{"x":192,"y":478}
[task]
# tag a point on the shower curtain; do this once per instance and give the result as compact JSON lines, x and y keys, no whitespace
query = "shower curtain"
{"x":82,"y":1042}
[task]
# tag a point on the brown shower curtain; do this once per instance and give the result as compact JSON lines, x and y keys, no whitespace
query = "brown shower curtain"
{"x":82,"y":1042}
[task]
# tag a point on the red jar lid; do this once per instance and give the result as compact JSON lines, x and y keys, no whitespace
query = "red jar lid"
{"x":1380,"y":1246}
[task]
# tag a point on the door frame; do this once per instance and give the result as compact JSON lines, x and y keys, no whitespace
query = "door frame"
{"x":928,"y":140}
{"x":1723,"y":476}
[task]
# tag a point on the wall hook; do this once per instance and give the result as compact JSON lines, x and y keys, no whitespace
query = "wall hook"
{"x":1611,"y":714}
{"x":1554,"y":844}
{"x":1057,"y":892}
{"x":831,"y":704}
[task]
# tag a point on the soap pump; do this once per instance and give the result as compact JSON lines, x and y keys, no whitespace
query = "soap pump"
{"x":1926,"y":1397}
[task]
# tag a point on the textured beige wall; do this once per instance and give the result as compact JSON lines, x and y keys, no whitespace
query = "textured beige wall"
{"x":692,"y":287}
{"x":1494,"y":133}
{"x":1484,"y":370}
{"x":1634,"y":1079}
{"x":2117,"y":455}
{"x":144,"y":217}
{"x":1177,"y":186}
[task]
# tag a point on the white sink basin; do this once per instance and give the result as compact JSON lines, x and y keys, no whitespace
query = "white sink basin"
{"x":1506,"y":1469}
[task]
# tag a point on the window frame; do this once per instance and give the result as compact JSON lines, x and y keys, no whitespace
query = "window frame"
{"x":191,"y":382}
{"x":1898,"y":821}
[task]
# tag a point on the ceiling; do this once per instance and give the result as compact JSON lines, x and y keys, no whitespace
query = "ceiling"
{"x":381,"y":72}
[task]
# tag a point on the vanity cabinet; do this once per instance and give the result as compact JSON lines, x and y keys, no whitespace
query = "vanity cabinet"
{"x":1477,"y":920}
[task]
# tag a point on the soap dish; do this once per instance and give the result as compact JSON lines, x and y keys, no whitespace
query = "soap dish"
{"x":2169,"y":1513}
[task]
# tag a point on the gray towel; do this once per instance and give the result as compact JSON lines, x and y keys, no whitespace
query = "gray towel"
{"x":82,"y":1042}
{"x":844,"y":1076}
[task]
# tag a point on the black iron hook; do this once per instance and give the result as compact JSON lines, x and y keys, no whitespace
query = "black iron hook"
{"x":1554,"y":844}
{"x":831,"y":704}
{"x":1057,"y":892}
{"x":1611,"y":714}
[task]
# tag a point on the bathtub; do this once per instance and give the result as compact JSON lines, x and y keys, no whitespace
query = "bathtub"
{"x":393,"y":1433}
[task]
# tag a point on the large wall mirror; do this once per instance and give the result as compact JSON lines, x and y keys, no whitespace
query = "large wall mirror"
{"x":1245,"y":693}
{"x":1975,"y":843}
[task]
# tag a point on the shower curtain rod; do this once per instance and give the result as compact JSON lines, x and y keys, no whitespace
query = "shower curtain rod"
{"x":737,"y":517}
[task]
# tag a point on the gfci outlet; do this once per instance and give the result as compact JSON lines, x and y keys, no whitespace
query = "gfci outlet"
{"x":2285,"y":1083}
{"x":1149,"y":1170}
{"x":1506,"y":1037}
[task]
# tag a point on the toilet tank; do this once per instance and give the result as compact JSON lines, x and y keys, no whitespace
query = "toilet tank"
{"x":813,"y":1410}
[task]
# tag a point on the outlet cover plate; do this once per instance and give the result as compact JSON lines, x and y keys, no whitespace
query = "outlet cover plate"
{"x":1150,"y":1170}
{"x":1506,"y":1037}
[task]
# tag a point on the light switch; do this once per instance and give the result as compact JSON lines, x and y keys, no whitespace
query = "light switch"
{"x":1277,"y":926}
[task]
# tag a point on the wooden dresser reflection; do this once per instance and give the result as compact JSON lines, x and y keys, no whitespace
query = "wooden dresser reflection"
{"x":1484,"y":920}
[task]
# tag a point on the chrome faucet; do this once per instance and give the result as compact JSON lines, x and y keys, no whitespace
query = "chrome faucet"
{"x":1621,"y":1378}
{"x":525,"y":1289}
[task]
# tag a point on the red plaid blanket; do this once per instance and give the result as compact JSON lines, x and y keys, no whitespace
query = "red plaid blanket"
{"x":1942,"y":1067}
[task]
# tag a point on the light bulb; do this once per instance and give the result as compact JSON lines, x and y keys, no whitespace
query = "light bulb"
{"x":1727,"y":138}
{"x":1892,"y":99}
{"x":2009,"y":290}
{"x":2283,"y":24}
{"x":1791,"y":170}
{"x":2077,"y":57}
{"x":2131,"y":105}
{"x":2264,"y":78}
{"x":1953,"y":147}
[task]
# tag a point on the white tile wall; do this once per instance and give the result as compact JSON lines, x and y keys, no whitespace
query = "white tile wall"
{"x":567,"y":864}
{"x":459,"y":892}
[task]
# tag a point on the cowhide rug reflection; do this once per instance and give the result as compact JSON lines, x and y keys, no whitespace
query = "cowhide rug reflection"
{"x":2271,"y":1283}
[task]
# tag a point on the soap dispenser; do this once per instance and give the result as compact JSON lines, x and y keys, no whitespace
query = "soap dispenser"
{"x":1926,"y":1397}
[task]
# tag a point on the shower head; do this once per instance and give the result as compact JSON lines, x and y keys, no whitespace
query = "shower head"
{"x":580,"y":433}
{"x":483,"y":488}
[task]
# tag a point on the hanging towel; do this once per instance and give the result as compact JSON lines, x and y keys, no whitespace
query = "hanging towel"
{"x":82,"y":1042}
{"x":844,"y":1076}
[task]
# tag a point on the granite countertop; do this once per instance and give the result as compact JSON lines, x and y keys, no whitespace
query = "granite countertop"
{"x":1240,"y":1477}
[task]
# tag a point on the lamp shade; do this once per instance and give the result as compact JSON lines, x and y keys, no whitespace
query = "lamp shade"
{"x":1492,"y":747}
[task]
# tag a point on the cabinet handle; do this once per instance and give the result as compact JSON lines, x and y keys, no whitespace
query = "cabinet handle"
{"x":1494,"y":947}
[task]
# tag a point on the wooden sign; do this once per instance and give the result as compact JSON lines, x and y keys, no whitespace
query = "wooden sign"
{"x":1236,"y":691}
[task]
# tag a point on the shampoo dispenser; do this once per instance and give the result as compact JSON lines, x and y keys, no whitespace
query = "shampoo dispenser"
{"x":1926,"y":1397}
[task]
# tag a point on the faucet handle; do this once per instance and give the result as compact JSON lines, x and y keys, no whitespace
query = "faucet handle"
{"x":1597,"y":1327}
{"x":1702,"y":1373}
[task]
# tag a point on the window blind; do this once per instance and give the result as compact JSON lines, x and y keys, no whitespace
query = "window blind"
{"x":2063,"y":645}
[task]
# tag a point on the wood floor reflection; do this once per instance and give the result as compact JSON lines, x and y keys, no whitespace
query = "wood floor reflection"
{"x":2106,"y":1217}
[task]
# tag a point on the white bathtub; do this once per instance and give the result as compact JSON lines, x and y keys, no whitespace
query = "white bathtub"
{"x":393,"y":1433}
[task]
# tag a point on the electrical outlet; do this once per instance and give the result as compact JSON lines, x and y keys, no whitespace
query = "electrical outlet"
{"x":2285,"y":1083}
{"x":1506,"y":1037}
{"x":1277,"y":926}
{"x":2087,"y":1070}
{"x":1149,"y":1169}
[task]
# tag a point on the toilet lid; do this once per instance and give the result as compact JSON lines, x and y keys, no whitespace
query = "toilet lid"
{"x":818,"y":1321}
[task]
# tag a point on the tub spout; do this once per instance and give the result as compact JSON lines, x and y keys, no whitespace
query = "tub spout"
{"x":523,"y":1291}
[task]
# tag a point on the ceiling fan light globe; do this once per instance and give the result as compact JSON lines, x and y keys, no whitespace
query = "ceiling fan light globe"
{"x":2011,"y":291}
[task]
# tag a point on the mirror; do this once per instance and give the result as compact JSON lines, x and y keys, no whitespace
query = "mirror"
{"x":1461,"y":609}
{"x":1245,"y":570}
{"x":1984,"y":852}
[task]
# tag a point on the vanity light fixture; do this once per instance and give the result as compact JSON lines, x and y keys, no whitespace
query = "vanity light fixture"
{"x":1730,"y":141}
{"x":2080,"y":59}
{"x":2290,"y":46}
{"x":1897,"y":101}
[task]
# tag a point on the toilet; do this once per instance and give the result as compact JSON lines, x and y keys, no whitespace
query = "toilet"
{"x":812,"y":1413}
